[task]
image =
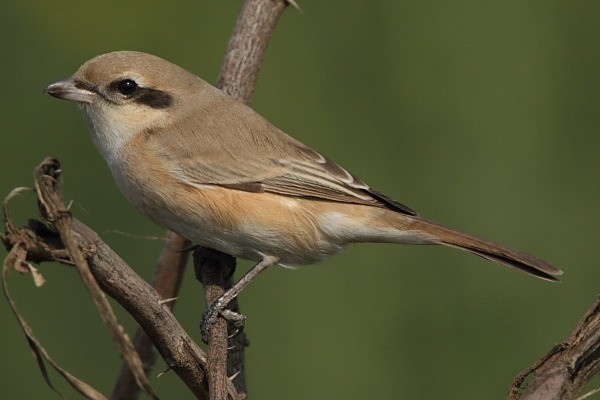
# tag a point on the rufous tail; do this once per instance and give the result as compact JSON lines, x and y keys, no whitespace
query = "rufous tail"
{"x":486,"y":249}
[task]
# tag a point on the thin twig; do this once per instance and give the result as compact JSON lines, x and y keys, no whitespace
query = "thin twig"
{"x":568,"y":367}
{"x":50,"y":200}
{"x":167,"y":281}
{"x":212,"y":269}
{"x":119,"y":281}
{"x":237,"y":77}
{"x":588,"y":394}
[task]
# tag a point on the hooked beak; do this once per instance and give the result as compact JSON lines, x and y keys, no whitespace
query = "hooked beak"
{"x":72,"y":89}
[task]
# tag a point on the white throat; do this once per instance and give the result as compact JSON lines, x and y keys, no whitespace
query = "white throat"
{"x":108,"y":136}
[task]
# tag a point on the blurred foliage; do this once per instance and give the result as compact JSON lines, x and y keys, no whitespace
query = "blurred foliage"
{"x":480,"y":115}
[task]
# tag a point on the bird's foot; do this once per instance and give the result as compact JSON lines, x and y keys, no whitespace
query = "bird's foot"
{"x":216,"y":310}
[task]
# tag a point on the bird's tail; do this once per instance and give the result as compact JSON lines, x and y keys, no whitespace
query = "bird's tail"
{"x":513,"y":258}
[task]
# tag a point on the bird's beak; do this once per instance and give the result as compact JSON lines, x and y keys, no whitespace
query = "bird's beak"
{"x":72,"y":89}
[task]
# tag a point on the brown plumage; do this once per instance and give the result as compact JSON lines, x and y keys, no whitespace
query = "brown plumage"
{"x":208,"y":167}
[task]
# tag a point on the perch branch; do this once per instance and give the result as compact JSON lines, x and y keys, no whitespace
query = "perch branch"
{"x":567,"y":367}
{"x":117,"y":279}
{"x":167,"y":281}
{"x":237,"y":77}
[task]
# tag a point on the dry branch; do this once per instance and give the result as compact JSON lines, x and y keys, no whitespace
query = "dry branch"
{"x":39,"y":242}
{"x":213,"y":270}
{"x":167,"y":281}
{"x":52,"y":207}
{"x":237,"y":77}
{"x":568,"y":366}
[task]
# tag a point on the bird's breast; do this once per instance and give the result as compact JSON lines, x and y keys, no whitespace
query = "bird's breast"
{"x":243,"y":224}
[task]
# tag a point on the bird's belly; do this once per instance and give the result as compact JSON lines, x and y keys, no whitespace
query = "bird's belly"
{"x":242,"y":224}
{"x":253,"y":242}
{"x":251,"y":237}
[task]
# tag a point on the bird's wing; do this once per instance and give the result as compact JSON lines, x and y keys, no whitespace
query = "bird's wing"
{"x":255,"y":156}
{"x":309,"y":174}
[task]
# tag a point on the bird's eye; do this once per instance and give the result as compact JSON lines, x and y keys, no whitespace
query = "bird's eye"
{"x":127,"y":87}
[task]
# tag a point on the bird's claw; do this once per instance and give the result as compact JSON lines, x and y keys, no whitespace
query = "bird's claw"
{"x":210,"y":316}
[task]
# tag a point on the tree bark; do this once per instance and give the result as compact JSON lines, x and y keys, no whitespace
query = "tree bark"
{"x":237,"y":77}
{"x":567,"y":368}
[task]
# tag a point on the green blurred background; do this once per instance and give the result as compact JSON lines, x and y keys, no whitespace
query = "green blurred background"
{"x":480,"y":115}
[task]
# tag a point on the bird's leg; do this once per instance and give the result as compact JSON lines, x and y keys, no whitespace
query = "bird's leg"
{"x":216,"y":309}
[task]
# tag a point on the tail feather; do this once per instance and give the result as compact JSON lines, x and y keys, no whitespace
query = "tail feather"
{"x":488,"y":250}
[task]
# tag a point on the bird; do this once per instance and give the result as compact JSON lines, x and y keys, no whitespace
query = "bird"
{"x":208,"y":167}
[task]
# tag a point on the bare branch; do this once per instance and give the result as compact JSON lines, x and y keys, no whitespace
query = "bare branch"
{"x":52,"y":206}
{"x":213,"y":269}
{"x":116,"y":278}
{"x":167,"y":281}
{"x":237,"y":77}
{"x":247,"y":46}
{"x":567,"y":367}
{"x":179,"y":351}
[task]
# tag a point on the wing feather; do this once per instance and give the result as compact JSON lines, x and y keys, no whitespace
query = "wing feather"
{"x":255,"y":156}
